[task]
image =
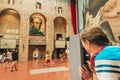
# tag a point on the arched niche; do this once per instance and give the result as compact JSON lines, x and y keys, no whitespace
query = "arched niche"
{"x":59,"y":36}
{"x":37,"y":25}
{"x":38,"y":38}
{"x":9,"y":25}
{"x":60,"y":28}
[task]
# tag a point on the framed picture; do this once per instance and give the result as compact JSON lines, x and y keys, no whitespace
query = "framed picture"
{"x":7,"y":43}
{"x":60,"y":44}
{"x":37,"y":25}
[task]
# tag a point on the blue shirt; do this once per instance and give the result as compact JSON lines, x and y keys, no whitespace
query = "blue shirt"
{"x":107,"y":63}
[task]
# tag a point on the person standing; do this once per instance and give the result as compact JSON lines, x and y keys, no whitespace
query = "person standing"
{"x":104,"y":58}
{"x":36,"y":55}
{"x":67,"y":52}
{"x":13,"y":66}
{"x":3,"y":57}
{"x":9,"y":57}
{"x":47,"y":59}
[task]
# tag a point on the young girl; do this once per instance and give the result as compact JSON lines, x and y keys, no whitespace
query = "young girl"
{"x":9,"y":58}
{"x":62,"y":57}
{"x":36,"y":55}
{"x":47,"y":58}
{"x":3,"y":57}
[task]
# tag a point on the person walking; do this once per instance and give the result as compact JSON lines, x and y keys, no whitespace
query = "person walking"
{"x":13,"y":66}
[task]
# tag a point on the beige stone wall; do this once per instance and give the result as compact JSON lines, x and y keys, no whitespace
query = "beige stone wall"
{"x":49,"y":9}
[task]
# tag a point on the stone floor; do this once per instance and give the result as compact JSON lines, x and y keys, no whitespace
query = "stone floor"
{"x":29,"y":70}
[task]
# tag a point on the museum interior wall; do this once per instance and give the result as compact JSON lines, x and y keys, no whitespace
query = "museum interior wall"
{"x":46,"y":24}
{"x":27,"y":24}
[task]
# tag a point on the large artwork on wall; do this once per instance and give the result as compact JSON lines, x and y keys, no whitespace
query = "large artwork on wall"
{"x":37,"y":25}
{"x":92,"y":15}
{"x":102,"y":13}
{"x":98,"y":11}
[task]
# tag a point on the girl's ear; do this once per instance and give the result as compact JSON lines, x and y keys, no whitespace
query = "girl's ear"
{"x":87,"y":43}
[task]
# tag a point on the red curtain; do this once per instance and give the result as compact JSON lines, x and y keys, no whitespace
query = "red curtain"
{"x":73,"y":13}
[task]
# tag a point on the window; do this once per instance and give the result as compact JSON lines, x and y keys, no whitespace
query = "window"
{"x":38,"y":5}
{"x":60,"y":10}
{"x":11,"y":2}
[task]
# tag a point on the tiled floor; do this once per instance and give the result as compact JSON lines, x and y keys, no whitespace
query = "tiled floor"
{"x":25,"y":67}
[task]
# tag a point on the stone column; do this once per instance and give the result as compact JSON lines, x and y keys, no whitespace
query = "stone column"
{"x":50,"y":36}
{"x":24,"y":36}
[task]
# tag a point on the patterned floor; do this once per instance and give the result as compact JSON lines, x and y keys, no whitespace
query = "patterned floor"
{"x":29,"y":70}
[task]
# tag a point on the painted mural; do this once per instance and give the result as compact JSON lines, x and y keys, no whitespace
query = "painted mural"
{"x":37,"y":25}
{"x":104,"y":13}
